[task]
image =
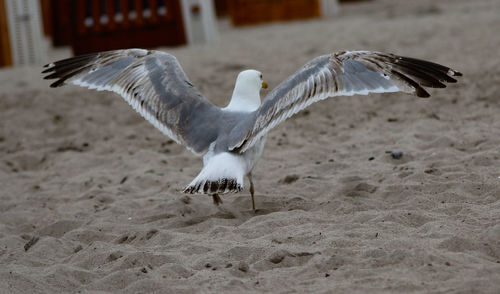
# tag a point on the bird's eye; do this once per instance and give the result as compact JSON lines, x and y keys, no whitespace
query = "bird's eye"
{"x":261,"y":76}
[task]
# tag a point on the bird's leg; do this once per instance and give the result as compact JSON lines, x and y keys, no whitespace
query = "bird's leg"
{"x":217,"y":199}
{"x":251,"y":191}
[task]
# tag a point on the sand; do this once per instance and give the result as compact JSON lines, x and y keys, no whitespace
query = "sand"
{"x":90,"y":196}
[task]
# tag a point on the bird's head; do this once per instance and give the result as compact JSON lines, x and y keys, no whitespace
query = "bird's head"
{"x":246,"y":94}
{"x":252,"y":79}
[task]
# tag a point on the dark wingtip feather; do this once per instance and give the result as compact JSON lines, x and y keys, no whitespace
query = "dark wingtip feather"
{"x":426,"y":63}
{"x":57,"y":83}
{"x":450,"y":80}
{"x":438,"y":84}
{"x":52,"y":76}
{"x":47,"y":70}
{"x":422,"y":93}
{"x":66,"y":68}
{"x":437,"y":71}
{"x":419,"y":91}
{"x":420,"y":76}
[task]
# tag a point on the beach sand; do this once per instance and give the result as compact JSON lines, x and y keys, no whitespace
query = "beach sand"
{"x":90,"y":197}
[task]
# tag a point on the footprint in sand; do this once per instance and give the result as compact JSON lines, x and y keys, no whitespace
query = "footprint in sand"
{"x":282,"y":258}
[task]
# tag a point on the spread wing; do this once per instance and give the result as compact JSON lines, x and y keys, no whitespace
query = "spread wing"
{"x":340,"y":74}
{"x":153,"y":83}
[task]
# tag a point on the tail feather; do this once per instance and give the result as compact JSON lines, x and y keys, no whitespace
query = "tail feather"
{"x":220,"y":186}
{"x":223,"y":173}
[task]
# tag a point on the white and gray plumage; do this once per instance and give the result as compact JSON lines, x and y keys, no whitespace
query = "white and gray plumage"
{"x":231,"y":139}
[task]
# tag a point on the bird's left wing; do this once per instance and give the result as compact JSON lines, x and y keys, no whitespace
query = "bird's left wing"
{"x":153,"y":83}
{"x":340,"y":74}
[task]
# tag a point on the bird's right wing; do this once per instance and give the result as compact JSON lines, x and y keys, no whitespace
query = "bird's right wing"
{"x":339,"y":74}
{"x":153,"y":83}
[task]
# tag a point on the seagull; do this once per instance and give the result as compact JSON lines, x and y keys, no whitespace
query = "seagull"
{"x":231,"y":139}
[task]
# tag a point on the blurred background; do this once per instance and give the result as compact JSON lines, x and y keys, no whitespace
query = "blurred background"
{"x":32,"y":32}
{"x":80,"y":171}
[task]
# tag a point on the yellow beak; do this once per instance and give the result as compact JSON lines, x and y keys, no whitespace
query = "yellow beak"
{"x":264,"y":85}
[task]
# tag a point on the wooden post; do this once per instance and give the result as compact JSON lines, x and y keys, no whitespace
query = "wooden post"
{"x":96,"y":15}
{"x":125,"y":10}
{"x":5,"y":53}
{"x":139,"y":18}
{"x":46,"y":17}
{"x":79,"y":18}
{"x":153,"y":7}
{"x":110,"y":12}
{"x":248,"y":12}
